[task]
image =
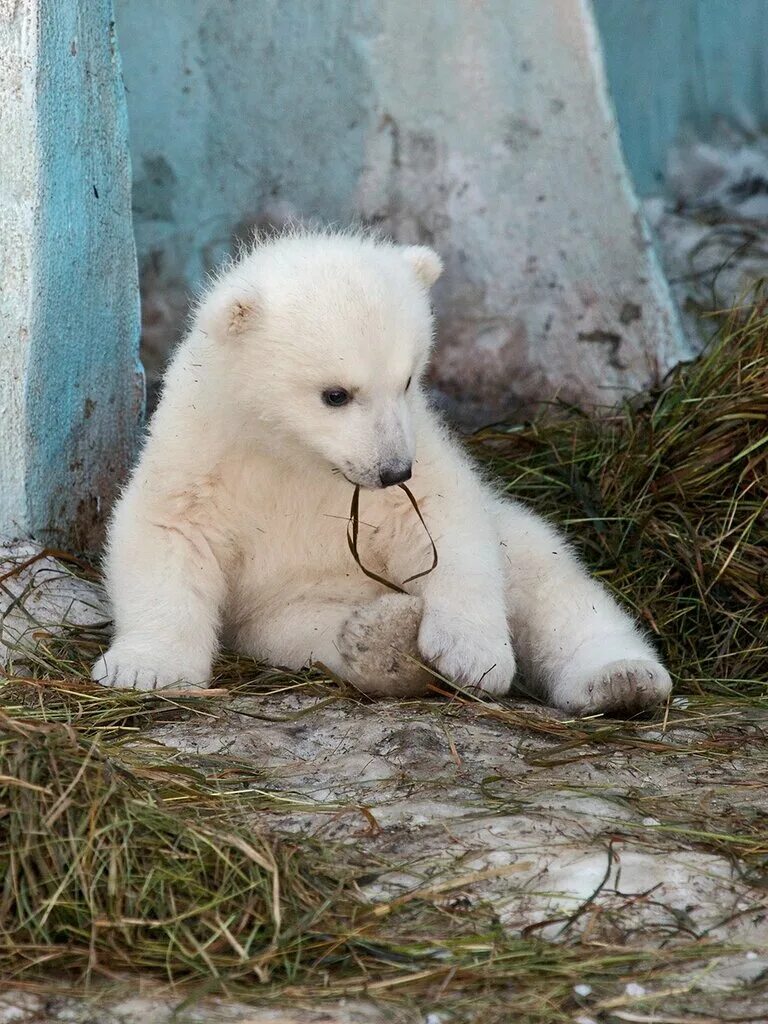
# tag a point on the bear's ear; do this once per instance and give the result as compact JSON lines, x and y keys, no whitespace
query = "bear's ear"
{"x":228,"y":313}
{"x":243,"y":315}
{"x":425,"y":263}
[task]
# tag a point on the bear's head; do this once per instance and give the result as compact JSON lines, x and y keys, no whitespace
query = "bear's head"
{"x":319,"y":343}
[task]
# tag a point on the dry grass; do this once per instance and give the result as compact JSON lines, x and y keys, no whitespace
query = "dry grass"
{"x":116,"y":855}
{"x":103,"y":872}
{"x":668,"y":500}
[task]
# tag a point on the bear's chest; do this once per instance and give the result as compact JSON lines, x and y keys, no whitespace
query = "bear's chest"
{"x":287,"y":529}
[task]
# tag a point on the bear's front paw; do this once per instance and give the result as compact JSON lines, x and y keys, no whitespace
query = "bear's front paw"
{"x":134,"y":667}
{"x":469,"y":655}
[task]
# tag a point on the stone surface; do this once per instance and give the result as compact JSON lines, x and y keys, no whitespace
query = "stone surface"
{"x":568,"y":846}
{"x":156,"y":1006}
{"x":38,"y":592}
{"x":560,"y":839}
{"x":712,"y":229}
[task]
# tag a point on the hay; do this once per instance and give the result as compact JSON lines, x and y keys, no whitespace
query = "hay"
{"x":668,"y":501}
{"x":99,"y":874}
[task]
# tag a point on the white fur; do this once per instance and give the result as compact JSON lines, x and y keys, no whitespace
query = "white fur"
{"x":233,"y":526}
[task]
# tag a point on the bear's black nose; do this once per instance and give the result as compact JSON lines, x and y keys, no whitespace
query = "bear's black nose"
{"x":397,"y":473}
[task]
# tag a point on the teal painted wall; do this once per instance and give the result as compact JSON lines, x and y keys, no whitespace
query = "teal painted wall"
{"x":232,"y":106}
{"x":236,"y":105}
{"x":71,"y":387}
{"x":84,"y":389}
{"x":675,"y":65}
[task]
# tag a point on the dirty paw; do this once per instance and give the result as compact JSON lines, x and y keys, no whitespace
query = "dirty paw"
{"x":623,"y":686}
{"x":135,"y":668}
{"x":378,"y":644}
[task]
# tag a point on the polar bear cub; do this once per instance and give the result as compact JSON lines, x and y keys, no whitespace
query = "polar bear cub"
{"x":300,"y":378}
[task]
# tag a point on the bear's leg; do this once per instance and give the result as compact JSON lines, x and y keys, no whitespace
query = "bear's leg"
{"x":372,"y":644}
{"x":573,"y":641}
{"x":166,"y":587}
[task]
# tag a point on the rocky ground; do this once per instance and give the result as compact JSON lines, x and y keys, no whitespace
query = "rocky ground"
{"x":649,"y":834}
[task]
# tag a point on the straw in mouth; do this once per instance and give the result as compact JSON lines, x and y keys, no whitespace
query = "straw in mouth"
{"x":352,"y":537}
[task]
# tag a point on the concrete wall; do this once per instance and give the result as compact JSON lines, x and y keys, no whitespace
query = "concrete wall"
{"x":234,"y":106}
{"x":71,"y":390}
{"x":482,"y":128}
{"x":680,"y":65}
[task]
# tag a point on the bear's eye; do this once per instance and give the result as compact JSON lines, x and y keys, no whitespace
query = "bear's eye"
{"x":409,"y":383}
{"x":336,"y":397}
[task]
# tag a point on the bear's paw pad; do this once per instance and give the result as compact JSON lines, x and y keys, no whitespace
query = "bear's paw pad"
{"x":378,"y":644}
{"x":624,"y":686}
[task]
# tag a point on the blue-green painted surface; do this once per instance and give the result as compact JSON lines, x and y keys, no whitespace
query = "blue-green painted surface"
{"x":236,"y":105}
{"x":84,"y":385}
{"x":73,"y":328}
{"x":233,"y":105}
{"x":678,"y":65}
